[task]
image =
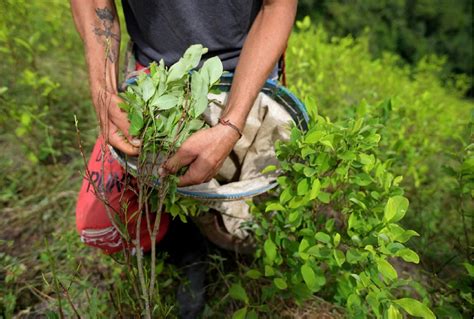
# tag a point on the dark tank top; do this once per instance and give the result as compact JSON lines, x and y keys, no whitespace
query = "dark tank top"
{"x":164,"y":29}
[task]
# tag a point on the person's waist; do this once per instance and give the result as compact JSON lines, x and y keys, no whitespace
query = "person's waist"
{"x":272,"y":76}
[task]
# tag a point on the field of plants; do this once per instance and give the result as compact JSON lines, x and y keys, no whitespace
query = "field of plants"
{"x":373,"y":217}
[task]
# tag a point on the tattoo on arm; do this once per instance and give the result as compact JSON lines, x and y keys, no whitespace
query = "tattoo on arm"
{"x":111,"y":39}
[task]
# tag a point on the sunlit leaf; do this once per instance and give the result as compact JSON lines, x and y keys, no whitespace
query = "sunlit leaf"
{"x":280,"y":283}
{"x":270,"y":250}
{"x":396,"y":208}
{"x":240,"y":314}
{"x":415,"y":308}
{"x":237,"y":292}
{"x":386,"y":269}
{"x":213,"y":69}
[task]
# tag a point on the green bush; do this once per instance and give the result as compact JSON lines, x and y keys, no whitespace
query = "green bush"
{"x":413,"y":29}
{"x":423,"y":120}
{"x":424,"y":130}
{"x":334,"y":226}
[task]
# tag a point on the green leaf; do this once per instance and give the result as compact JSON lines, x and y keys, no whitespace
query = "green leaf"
{"x":270,"y":250}
{"x":358,"y":202}
{"x":393,"y":313}
{"x":324,"y":197}
{"x":253,"y":274}
{"x":303,"y":187}
{"x":285,"y":196}
{"x":307,"y":151}
{"x":198,"y":85}
{"x":148,"y":89}
{"x":195,"y":125}
{"x":374,"y":303}
{"x":298,"y":201}
{"x":448,"y":311}
{"x":397,"y":233}
{"x":189,"y":61}
{"x":293,"y":216}
{"x":470,"y":269}
{"x":269,"y":271}
{"x":408,"y":255}
{"x":124,"y":106}
{"x":237,"y":292}
{"x":199,"y":93}
{"x":193,"y":55}
{"x":304,"y":244}
{"x":314,"y":137}
{"x":136,"y":122}
{"x":280,"y":283}
{"x":322,"y":237}
{"x":328,"y":141}
{"x":165,"y":102}
{"x":367,"y":160}
{"x":240,"y":314}
{"x":396,"y":208}
{"x":336,"y":239}
{"x":353,"y":256}
{"x":252,"y":315}
{"x":310,"y":278}
{"x":269,"y":168}
{"x":213,"y":69}
{"x":309,"y":171}
{"x":339,"y":257}
{"x":386,"y":269}
{"x":315,"y":188}
{"x":274,"y":207}
{"x":304,"y":24}
{"x":415,"y":308}
{"x":176,"y":71}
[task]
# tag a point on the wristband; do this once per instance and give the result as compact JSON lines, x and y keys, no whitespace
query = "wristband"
{"x":229,"y":124}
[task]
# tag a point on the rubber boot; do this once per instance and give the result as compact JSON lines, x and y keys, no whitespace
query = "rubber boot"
{"x":188,"y":250}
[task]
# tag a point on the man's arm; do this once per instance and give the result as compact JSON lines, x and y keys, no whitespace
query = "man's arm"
{"x":206,"y":150}
{"x":262,"y":49}
{"x":97,"y":23}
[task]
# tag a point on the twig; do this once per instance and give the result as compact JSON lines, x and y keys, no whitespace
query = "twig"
{"x":68,"y":297}
{"x":138,"y":248}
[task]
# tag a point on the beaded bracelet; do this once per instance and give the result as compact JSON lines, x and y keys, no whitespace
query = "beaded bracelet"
{"x":229,"y":124}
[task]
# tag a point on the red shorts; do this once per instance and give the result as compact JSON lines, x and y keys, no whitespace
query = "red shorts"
{"x":92,"y":220}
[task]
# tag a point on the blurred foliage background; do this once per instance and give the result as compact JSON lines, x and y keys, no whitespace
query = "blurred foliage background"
{"x":413,"y":29}
{"x":408,"y":63}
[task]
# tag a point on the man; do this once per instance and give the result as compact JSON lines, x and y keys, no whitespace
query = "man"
{"x":248,"y":35}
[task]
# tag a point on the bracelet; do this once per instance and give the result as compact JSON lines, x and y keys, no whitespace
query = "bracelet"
{"x":229,"y":124}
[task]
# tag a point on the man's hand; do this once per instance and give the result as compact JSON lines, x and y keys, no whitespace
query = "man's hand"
{"x":113,"y":121}
{"x":204,"y":152}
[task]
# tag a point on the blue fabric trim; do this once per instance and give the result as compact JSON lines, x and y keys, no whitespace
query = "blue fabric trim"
{"x":297,"y":101}
{"x":227,"y":196}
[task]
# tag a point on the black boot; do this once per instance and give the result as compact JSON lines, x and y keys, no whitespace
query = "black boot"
{"x":191,"y":292}
{"x":187,"y":249}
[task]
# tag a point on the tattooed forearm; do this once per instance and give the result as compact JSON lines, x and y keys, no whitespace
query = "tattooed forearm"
{"x":111,"y":39}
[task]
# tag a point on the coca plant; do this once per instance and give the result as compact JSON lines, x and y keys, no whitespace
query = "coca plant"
{"x":164,"y":108}
{"x":333,"y":226}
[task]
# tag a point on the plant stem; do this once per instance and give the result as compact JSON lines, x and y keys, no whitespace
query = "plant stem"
{"x":138,"y":248}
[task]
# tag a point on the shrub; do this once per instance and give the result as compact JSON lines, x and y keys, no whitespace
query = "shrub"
{"x":412,"y":29}
{"x":422,"y":119}
{"x":333,"y":227}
